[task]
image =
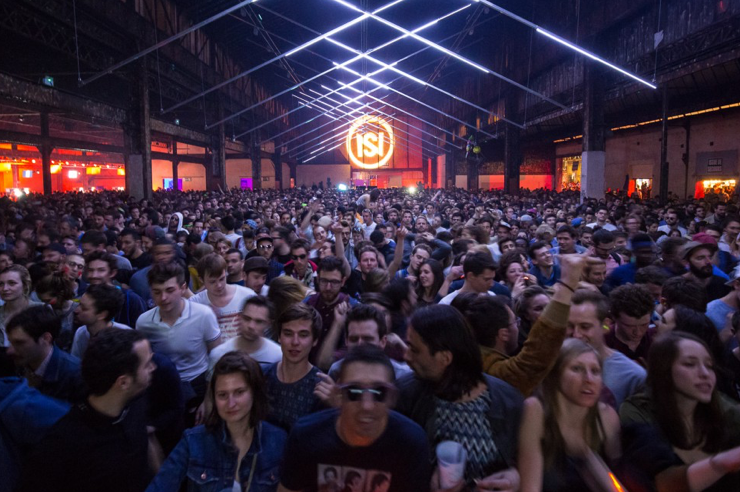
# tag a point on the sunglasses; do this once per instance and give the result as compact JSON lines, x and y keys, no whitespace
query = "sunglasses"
{"x":265,"y":246}
{"x":298,"y":257}
{"x":380,"y":393}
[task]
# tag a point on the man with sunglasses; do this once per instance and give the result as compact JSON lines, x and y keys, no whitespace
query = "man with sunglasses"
{"x":363,"y":437}
{"x":265,"y":249}
{"x":300,"y":267}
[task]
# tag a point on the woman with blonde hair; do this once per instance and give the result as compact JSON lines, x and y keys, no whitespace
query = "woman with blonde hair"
{"x":567,"y":436}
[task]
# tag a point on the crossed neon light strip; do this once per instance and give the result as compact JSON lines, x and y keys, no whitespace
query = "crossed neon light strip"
{"x":447,"y":52}
{"x":341,"y":133}
{"x":563,"y":41}
{"x":374,"y":110}
{"x":307,"y":44}
{"x":418,"y":29}
{"x":382,"y":113}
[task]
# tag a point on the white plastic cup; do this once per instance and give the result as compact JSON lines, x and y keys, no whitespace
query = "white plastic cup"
{"x":451,"y":459}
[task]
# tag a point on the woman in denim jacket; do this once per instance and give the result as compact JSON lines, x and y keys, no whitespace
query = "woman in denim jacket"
{"x":234,"y":451}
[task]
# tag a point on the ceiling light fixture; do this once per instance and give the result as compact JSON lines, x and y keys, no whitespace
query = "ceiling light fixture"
{"x":450,"y":53}
{"x":562,"y":41}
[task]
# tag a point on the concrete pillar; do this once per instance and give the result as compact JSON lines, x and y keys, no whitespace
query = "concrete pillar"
{"x":217,"y":161}
{"x":294,"y":172}
{"x":45,"y":150}
{"x":138,"y":136}
{"x":278,"y":163}
{"x":513,"y":157}
{"x":450,"y":172}
{"x":473,"y":171}
{"x":664,"y":148}
{"x":256,"y":154}
{"x":593,"y":158}
{"x":175,"y":162}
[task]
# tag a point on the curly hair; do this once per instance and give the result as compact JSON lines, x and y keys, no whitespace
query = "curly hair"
{"x":634,"y":300}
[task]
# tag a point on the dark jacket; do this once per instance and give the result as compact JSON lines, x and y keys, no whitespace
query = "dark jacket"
{"x":25,"y":416}
{"x":62,"y":378}
{"x":416,"y":401}
{"x":207,"y":461}
{"x":86,"y":451}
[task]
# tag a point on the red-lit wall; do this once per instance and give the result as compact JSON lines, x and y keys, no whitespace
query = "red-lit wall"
{"x":526,"y":181}
{"x":108,"y":179}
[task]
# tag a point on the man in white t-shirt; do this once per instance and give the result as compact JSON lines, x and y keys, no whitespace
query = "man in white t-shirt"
{"x":185,"y":332}
{"x":95,"y":313}
{"x":480,"y":271}
{"x":224,"y":299}
{"x":601,"y":215}
{"x":253,"y":320}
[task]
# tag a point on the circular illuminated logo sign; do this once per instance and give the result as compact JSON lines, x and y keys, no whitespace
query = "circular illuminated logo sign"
{"x":370,"y":142}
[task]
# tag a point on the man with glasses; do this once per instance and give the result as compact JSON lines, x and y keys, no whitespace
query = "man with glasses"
{"x":603,"y":247}
{"x":253,"y":321}
{"x":602,"y":213}
{"x":363,"y":440}
{"x":300,"y":267}
{"x":331,"y":279}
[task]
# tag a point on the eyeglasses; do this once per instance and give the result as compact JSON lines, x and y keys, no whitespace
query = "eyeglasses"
{"x":78,"y":266}
{"x":333,"y":283}
{"x":380,"y":393}
{"x":299,"y":257}
{"x":265,"y":246}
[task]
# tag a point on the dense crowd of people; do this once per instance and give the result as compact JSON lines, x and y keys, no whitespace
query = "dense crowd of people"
{"x":329,"y":341}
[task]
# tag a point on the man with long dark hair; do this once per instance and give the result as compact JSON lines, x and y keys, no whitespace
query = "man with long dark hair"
{"x":453,"y":400}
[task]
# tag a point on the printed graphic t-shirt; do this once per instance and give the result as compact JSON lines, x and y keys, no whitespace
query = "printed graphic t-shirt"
{"x":316,"y":458}
{"x":228,"y":315}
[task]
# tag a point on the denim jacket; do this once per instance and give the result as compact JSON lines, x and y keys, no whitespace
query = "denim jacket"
{"x":208,"y":461}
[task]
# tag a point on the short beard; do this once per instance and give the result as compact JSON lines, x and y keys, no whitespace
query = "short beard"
{"x":702,"y":273}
